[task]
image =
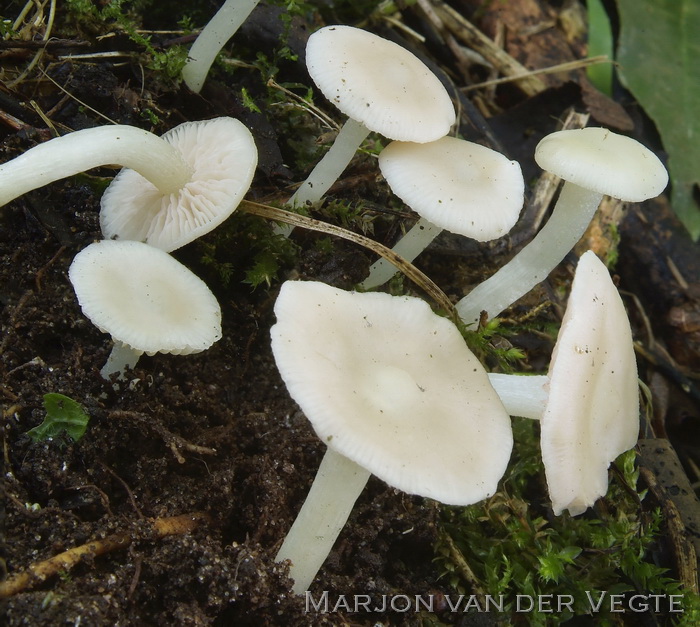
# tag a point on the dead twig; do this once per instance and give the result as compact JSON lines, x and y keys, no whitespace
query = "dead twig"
{"x":470,"y":35}
{"x":39,"y":572}
{"x":661,"y":470}
{"x":174,"y":442}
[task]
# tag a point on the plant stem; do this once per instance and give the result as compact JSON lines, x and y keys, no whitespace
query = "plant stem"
{"x":338,"y":483}
{"x":226,"y":21}
{"x":522,"y":395}
{"x":412,"y":244}
{"x":146,"y":153}
{"x":571,"y":216}
{"x":121,"y":358}
{"x":329,"y":168}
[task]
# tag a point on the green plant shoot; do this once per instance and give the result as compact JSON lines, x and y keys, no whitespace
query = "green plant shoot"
{"x":62,"y":414}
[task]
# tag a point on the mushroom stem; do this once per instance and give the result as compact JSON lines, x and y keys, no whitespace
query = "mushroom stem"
{"x":338,"y":483}
{"x":567,"y":224}
{"x":226,"y":21}
{"x":522,"y":395}
{"x":135,"y":148}
{"x":412,"y":244}
{"x":328,"y":169}
{"x":121,"y":358}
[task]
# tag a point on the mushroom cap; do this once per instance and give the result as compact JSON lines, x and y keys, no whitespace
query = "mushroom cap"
{"x":592,"y":415}
{"x":393,"y":387}
{"x":222,"y":156}
{"x":145,"y":298}
{"x":457,"y":185}
{"x":379,"y":83}
{"x":603,"y":161}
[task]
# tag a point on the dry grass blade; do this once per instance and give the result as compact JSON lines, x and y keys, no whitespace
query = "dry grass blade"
{"x":408,"y":269}
{"x":554,"y":69}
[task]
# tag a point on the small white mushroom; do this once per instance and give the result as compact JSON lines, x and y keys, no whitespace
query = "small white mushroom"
{"x":221,"y":157}
{"x":452,"y":184}
{"x":593,"y":162}
{"x":174,"y":188}
{"x":381,"y":87}
{"x":588,"y":404}
{"x":392,"y":390}
{"x":76,"y":152}
{"x":145,"y":299}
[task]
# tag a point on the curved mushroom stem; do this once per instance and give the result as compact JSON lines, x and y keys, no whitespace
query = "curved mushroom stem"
{"x":226,"y":21}
{"x":152,"y":157}
{"x":328,"y":169}
{"x":338,"y":483}
{"x":522,"y":395}
{"x":567,"y":224}
{"x":121,"y":358}
{"x":412,"y":244}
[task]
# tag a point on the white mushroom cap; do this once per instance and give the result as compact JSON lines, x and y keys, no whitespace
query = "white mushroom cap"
{"x":379,"y":83}
{"x":457,"y":185}
{"x":144,"y":298}
{"x":603,"y":161}
{"x":222,"y":156}
{"x":393,"y":387}
{"x":593,"y":411}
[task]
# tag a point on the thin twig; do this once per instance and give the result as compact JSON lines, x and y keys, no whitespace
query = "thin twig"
{"x":172,"y":440}
{"x":469,"y":34}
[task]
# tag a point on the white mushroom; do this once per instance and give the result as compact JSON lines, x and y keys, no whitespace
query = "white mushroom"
{"x":221,"y":158}
{"x":392,"y":390}
{"x":381,"y":87}
{"x":226,"y":21}
{"x":174,"y":189}
{"x":589,"y":403}
{"x":145,"y":299}
{"x":452,"y":184}
{"x":593,"y":162}
{"x":76,"y":152}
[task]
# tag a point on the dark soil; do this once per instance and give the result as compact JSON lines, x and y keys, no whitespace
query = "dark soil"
{"x":217,"y":433}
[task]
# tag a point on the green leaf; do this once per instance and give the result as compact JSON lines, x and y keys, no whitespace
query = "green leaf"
{"x":62,"y":414}
{"x":600,"y":43}
{"x":658,"y":55}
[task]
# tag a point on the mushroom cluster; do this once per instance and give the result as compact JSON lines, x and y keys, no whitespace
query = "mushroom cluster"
{"x":381,"y":87}
{"x":390,"y":388}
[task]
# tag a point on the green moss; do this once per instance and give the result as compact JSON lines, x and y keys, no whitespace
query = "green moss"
{"x":245,"y":250}
{"x":515,"y":546}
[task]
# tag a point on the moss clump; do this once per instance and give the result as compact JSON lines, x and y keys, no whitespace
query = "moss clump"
{"x":511,"y":545}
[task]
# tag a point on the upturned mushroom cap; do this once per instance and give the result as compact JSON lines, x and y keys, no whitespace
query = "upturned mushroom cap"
{"x":393,"y":387}
{"x":592,"y":415}
{"x":144,"y":298}
{"x":222,"y":156}
{"x":457,"y":185}
{"x":379,"y":83}
{"x":603,"y":161}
